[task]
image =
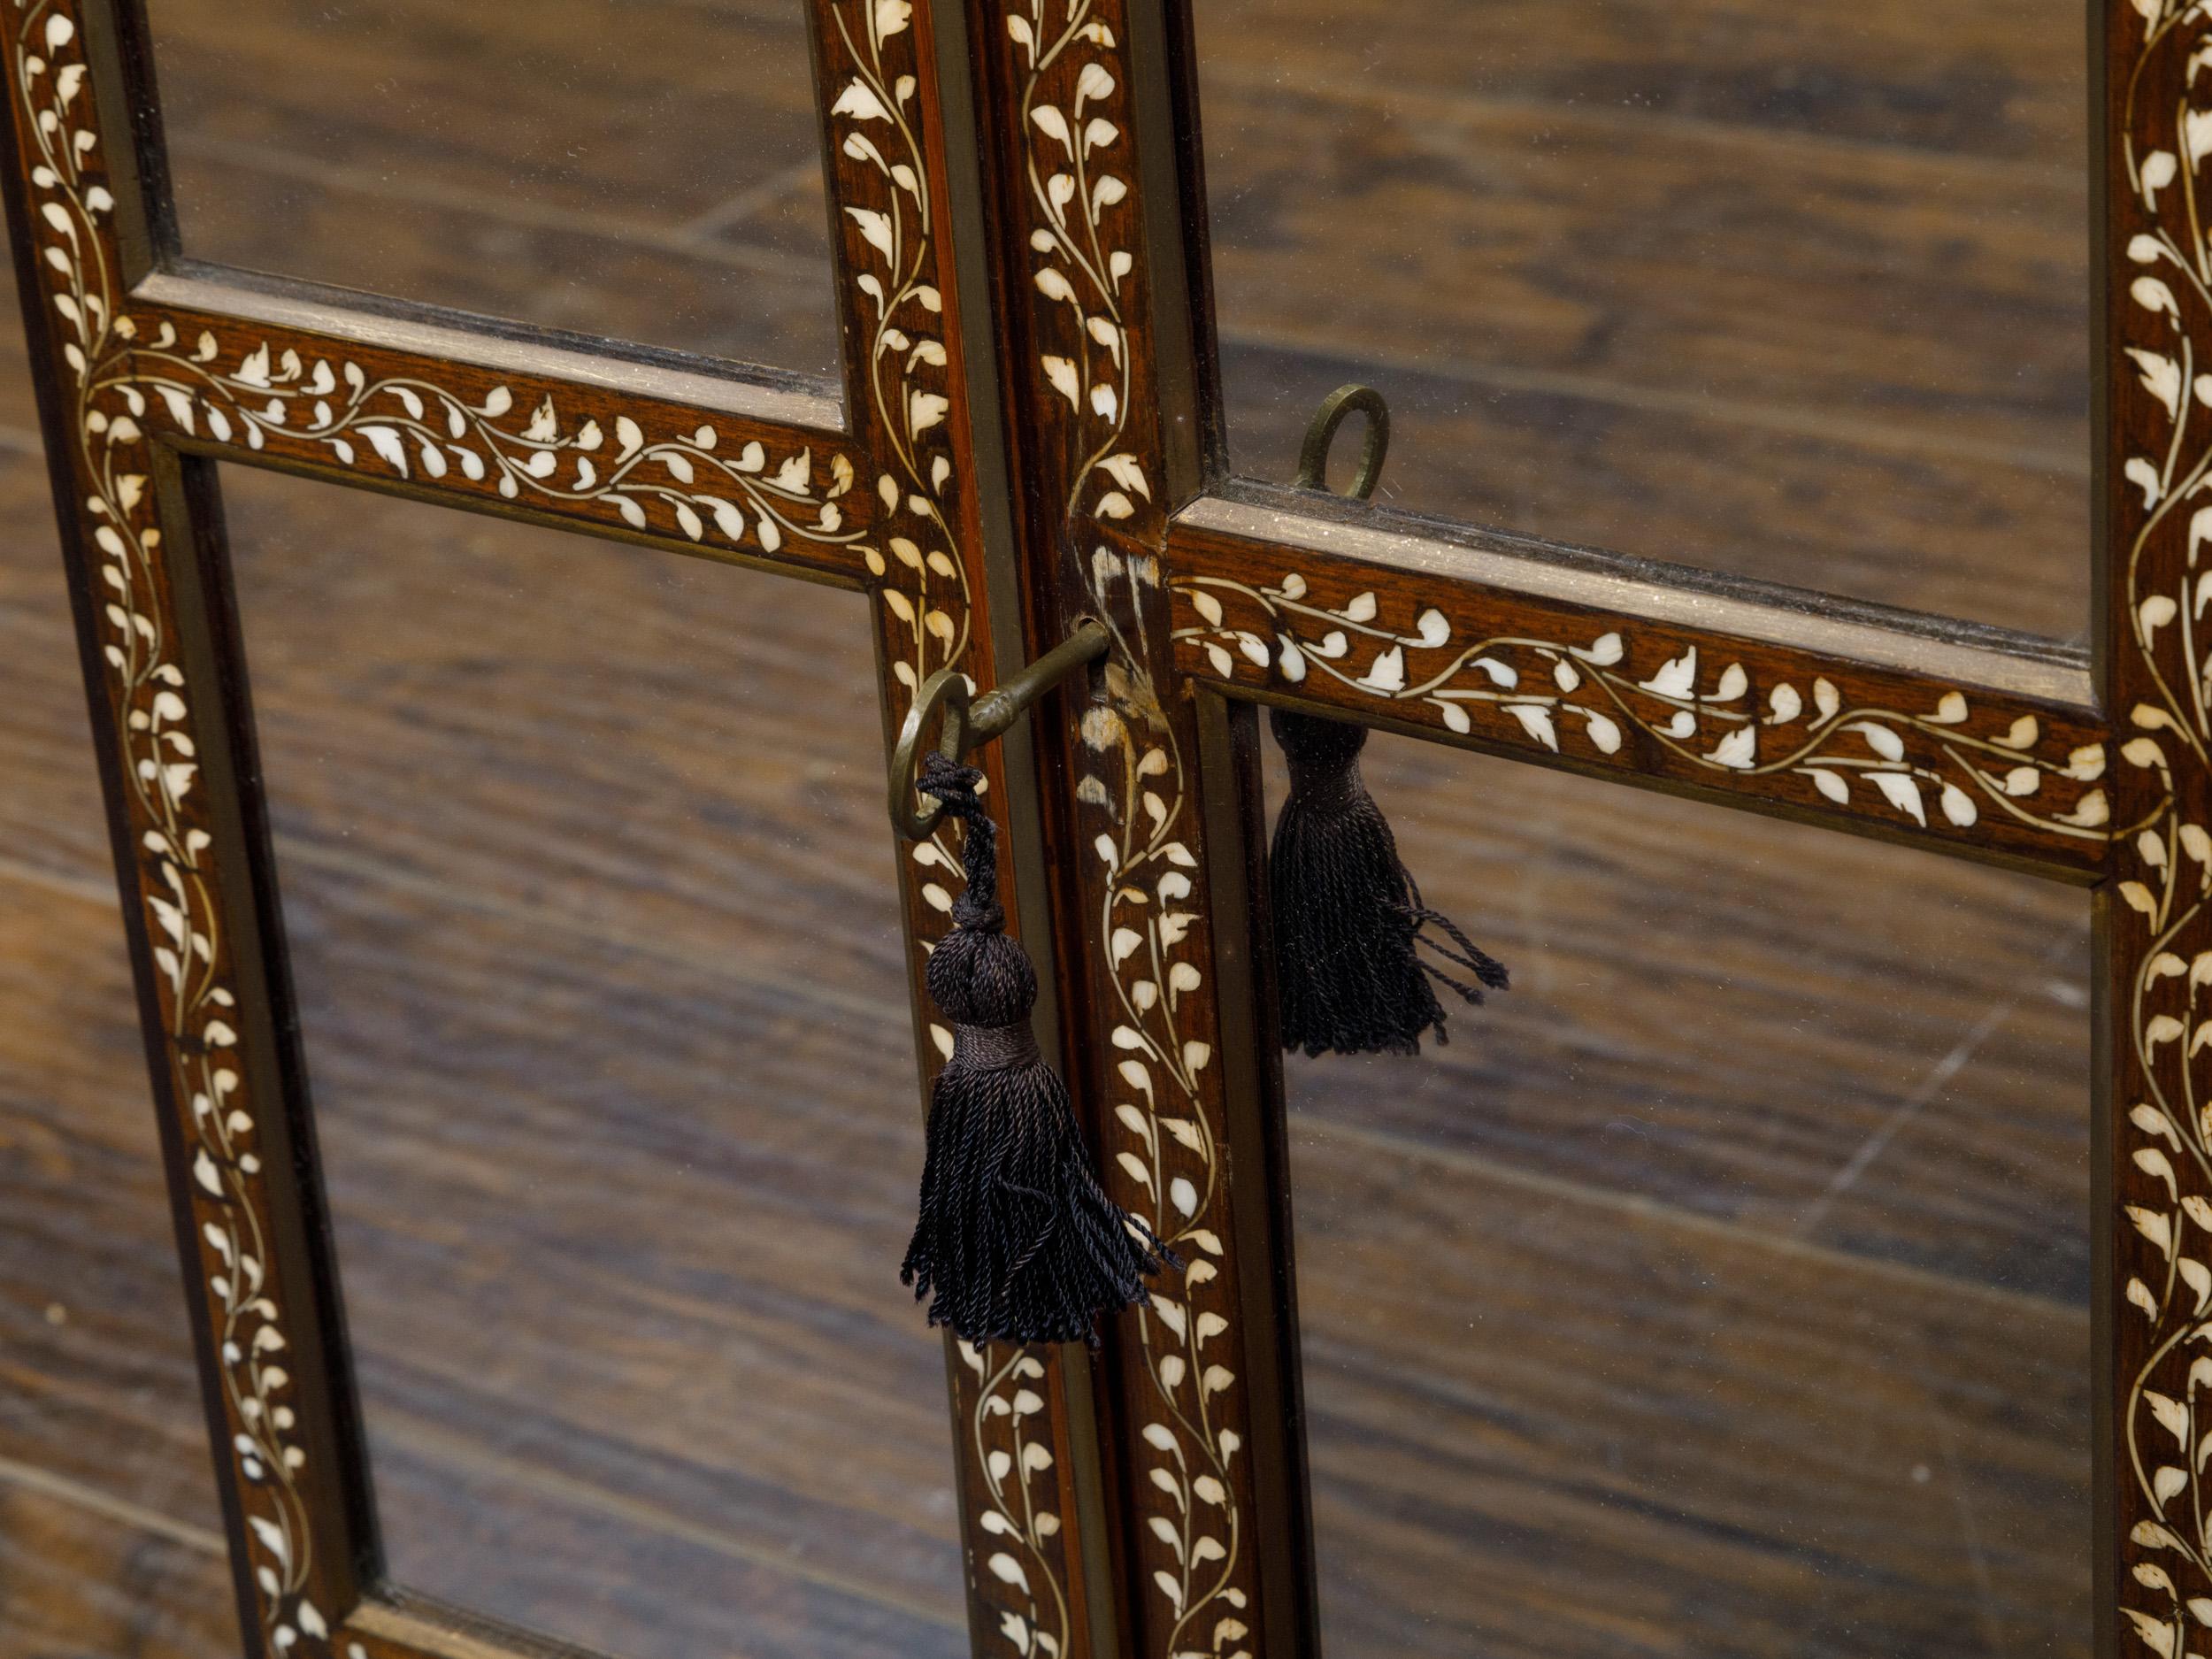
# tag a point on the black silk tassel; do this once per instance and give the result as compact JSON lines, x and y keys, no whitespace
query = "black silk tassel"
{"x":1348,"y":921}
{"x":1017,"y":1241}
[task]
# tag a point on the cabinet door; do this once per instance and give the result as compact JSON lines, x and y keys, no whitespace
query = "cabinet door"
{"x":494,"y":669}
{"x":1807,"y":1251}
{"x":1505,"y":1349}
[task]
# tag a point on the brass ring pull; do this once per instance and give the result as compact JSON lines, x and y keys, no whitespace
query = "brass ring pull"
{"x":1313,"y":454}
{"x":966,"y":724}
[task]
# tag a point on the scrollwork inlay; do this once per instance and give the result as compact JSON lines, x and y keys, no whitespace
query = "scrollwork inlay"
{"x":1135,"y":788}
{"x":694,"y":483}
{"x":923,"y":585}
{"x":156,"y":725}
{"x":2164,"y":934}
{"x":1563,"y":695}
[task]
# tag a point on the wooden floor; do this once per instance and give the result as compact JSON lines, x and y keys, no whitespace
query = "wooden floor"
{"x":1751,"y":1315}
{"x":649,"y":169}
{"x":601,"y":980}
{"x":1722,"y":1289}
{"x":1796,"y":294}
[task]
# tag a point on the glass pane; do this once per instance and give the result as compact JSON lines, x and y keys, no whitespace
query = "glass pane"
{"x":601,"y":976}
{"x":1797,"y":292}
{"x":649,"y":170}
{"x":1753,"y":1316}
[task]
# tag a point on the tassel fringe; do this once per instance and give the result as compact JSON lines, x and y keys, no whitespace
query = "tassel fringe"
{"x":1348,"y":921}
{"x":1017,"y":1241}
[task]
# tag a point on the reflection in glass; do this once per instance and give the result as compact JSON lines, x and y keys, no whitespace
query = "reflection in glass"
{"x":649,"y":170}
{"x":1752,"y":1315}
{"x":1797,"y":295}
{"x":596,"y":932}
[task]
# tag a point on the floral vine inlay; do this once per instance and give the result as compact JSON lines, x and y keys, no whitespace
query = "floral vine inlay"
{"x":1151,"y":924}
{"x":1071,"y":146}
{"x":156,"y":722}
{"x":923,"y":587}
{"x":2162,"y":936}
{"x":412,"y":428}
{"x":926,"y":593}
{"x":1920,"y":764}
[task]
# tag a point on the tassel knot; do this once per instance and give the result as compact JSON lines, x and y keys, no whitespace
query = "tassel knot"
{"x":1016,"y":1241}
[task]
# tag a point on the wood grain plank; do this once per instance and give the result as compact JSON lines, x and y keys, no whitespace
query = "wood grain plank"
{"x":1678,"y":282}
{"x":1982,"y":79}
{"x":637,"y":1481}
{"x":19,"y":409}
{"x":675,"y":129}
{"x":670,"y":1277}
{"x":622,"y":1566}
{"x":1729,"y":1213}
{"x":50,"y":804}
{"x":604,"y":1000}
{"x":97,"y":1380}
{"x":494,"y":257}
{"x":1670,"y":476}
{"x":79,"y":1583}
{"x":1804,"y":1038}
{"x":1586,"y":1431}
{"x":1866,"y":287}
{"x":651,"y":746}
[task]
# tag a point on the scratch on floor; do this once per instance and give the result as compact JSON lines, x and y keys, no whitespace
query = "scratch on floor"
{"x":1912,"y":1107}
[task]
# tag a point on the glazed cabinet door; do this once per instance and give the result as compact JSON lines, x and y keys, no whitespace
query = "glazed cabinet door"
{"x":494,"y":670}
{"x":1763,"y":563}
{"x":1799,"y":1256}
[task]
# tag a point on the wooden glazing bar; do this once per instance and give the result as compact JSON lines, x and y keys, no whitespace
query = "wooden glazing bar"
{"x":586,"y":440}
{"x":1965,"y":738}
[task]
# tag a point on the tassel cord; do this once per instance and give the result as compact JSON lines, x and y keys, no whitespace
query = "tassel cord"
{"x":1486,"y":968}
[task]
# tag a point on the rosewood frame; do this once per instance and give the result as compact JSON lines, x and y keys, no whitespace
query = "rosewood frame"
{"x":1013,"y":339}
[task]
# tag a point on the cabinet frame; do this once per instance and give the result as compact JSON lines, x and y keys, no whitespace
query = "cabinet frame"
{"x":1058,"y":456}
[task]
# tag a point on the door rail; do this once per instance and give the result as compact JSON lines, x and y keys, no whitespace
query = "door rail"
{"x":1979,"y":742}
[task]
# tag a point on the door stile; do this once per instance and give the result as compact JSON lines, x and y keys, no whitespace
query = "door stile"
{"x":1100,"y":377}
{"x":173,"y":731}
{"x":2155,"y":914}
{"x":1256,"y":1128}
{"x":1023,"y":1425}
{"x":173,"y":726}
